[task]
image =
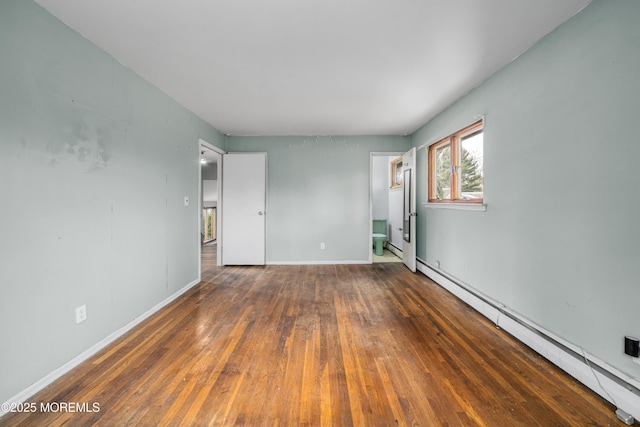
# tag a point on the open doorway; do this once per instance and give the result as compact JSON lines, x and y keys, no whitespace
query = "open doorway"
{"x":210,"y":205}
{"x":386,"y":195}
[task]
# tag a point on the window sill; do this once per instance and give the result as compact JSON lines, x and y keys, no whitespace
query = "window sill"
{"x":457,"y":206}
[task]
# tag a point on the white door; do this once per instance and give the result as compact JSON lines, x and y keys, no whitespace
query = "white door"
{"x":244,"y":179}
{"x":409,"y":209}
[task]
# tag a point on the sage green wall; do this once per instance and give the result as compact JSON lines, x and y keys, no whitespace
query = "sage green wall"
{"x":318,"y":191}
{"x":559,"y":242}
{"x":94,"y":165}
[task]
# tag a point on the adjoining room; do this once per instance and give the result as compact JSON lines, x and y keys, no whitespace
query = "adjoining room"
{"x":386,"y":203}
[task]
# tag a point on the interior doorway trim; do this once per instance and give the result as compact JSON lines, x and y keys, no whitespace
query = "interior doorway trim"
{"x":204,"y":144}
{"x":373,"y":154}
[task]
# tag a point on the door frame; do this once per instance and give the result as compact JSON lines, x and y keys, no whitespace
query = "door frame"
{"x":219,"y":151}
{"x":373,"y":154}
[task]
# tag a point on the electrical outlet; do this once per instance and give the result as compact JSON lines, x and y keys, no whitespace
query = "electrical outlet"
{"x":81,"y":313}
{"x":438,"y":263}
{"x":322,"y":245}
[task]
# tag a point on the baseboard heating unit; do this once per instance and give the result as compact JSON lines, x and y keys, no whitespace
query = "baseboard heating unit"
{"x":614,"y":386}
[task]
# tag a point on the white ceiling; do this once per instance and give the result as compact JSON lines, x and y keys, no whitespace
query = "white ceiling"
{"x":314,"y":67}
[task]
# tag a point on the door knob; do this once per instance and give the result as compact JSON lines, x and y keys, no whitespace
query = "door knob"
{"x":260,"y":213}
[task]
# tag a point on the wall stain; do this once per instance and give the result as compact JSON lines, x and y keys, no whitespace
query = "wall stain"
{"x":83,"y":144}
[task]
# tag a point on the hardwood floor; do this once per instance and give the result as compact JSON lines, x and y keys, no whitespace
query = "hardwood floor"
{"x":365,"y":345}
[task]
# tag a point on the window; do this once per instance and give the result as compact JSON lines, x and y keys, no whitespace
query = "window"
{"x":396,"y":173}
{"x":455,"y":167}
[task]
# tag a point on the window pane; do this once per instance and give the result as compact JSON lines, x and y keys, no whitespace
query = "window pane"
{"x":471,"y":174}
{"x":443,"y":172}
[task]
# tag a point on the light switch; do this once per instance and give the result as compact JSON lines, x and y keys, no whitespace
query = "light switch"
{"x":186,"y":200}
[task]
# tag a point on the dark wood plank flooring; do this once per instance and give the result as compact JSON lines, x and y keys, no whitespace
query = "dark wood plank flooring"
{"x":341,"y":345}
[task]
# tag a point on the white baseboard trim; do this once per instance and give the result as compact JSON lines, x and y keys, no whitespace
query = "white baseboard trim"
{"x":394,"y":250}
{"x":323,"y":262}
{"x":54,"y":375}
{"x":611,"y":384}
